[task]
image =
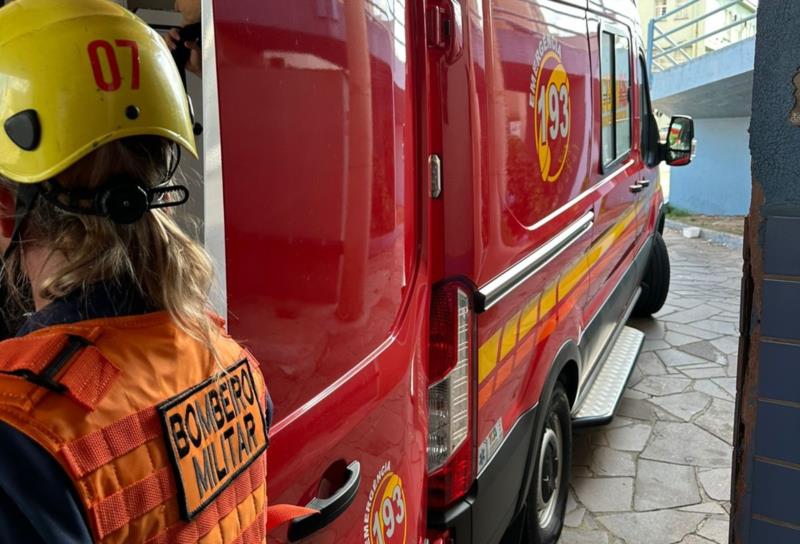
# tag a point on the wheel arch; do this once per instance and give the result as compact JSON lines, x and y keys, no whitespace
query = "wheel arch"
{"x":565,"y":368}
{"x":569,"y":377}
{"x":661,"y":219}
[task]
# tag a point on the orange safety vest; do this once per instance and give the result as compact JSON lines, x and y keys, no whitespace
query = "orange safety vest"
{"x":161,"y":445}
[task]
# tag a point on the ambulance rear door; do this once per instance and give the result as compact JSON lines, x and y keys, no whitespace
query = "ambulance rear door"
{"x":322,"y":272}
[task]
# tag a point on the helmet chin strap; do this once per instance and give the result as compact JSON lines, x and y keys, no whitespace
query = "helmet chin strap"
{"x":26,"y":199}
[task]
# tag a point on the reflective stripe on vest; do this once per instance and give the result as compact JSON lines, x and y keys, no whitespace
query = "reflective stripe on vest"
{"x":97,"y":395}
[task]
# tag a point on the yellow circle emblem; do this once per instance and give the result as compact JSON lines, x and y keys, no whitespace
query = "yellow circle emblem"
{"x":552,"y":115}
{"x":387,"y":512}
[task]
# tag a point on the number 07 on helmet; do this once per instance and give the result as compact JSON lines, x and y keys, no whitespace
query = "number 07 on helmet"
{"x":115,"y":79}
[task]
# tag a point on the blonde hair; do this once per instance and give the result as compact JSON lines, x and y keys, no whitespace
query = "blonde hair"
{"x":154,"y":255}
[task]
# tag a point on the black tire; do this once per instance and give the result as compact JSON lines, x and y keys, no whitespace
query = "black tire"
{"x":655,"y":283}
{"x":544,"y":524}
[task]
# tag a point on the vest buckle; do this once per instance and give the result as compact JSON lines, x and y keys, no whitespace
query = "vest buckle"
{"x":46,"y":378}
{"x":40,"y":380}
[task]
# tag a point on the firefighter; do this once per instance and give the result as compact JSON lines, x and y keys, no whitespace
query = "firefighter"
{"x":126,"y":413}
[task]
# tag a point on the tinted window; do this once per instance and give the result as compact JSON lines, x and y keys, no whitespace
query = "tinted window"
{"x":622,"y":104}
{"x":643,"y":105}
{"x":607,"y":92}
{"x":615,"y":79}
{"x":649,"y":130}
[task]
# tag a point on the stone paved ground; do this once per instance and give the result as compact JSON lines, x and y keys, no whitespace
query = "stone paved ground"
{"x":659,"y":473}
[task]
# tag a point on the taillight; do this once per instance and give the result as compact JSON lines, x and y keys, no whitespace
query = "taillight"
{"x":450,"y":396}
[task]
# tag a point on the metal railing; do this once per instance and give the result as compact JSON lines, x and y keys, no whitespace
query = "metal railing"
{"x":666,"y":49}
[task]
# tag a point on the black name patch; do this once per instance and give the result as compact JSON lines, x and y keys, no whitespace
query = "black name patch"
{"x":213,"y":431}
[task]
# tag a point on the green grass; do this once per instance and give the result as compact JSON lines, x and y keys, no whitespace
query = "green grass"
{"x":673,"y":211}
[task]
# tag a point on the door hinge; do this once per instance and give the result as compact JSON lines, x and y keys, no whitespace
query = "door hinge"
{"x":435,"y":173}
{"x":444,"y":28}
{"x":438,"y":27}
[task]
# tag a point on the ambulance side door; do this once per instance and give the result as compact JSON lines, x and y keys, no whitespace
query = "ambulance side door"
{"x":615,"y":173}
{"x":323,"y":275}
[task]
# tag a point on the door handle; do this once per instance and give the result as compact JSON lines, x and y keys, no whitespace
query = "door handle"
{"x":330,"y":508}
{"x":644,"y":183}
{"x":636,"y":188}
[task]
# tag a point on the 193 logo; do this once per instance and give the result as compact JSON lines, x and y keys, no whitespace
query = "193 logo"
{"x":385,"y":516}
{"x":552,"y":106}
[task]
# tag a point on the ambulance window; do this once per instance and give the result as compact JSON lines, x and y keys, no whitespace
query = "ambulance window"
{"x":607,"y":84}
{"x":643,"y":105}
{"x":622,"y":104}
{"x":615,"y":77}
{"x":646,"y":113}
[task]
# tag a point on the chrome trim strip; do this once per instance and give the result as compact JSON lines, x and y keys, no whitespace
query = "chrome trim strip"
{"x":214,"y":211}
{"x":498,"y":288}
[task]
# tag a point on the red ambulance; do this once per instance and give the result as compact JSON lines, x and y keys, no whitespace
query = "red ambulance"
{"x":435,"y":217}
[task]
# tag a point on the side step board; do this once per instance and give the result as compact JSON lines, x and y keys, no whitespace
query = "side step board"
{"x":601,"y":400}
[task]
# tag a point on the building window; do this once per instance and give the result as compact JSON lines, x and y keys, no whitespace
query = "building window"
{"x":661,"y":8}
{"x":684,"y":13}
{"x":615,"y":83}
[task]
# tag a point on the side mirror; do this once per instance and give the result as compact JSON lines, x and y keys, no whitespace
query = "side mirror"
{"x":680,"y":147}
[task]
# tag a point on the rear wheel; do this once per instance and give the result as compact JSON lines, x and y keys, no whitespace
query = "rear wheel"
{"x":547,"y":498}
{"x":655,"y":283}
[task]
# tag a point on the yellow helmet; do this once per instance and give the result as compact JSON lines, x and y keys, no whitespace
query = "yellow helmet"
{"x":76,"y":74}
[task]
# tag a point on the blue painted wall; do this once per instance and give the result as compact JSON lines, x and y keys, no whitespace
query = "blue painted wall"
{"x":718,"y":180}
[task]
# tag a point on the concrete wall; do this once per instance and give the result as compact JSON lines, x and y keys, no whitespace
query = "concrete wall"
{"x":718,"y":180}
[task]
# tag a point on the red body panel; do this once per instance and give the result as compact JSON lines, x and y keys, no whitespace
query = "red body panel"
{"x":325,"y":281}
